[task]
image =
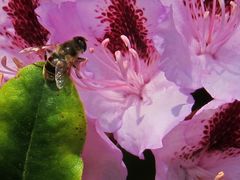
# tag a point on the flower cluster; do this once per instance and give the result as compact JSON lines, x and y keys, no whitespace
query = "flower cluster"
{"x":144,"y":61}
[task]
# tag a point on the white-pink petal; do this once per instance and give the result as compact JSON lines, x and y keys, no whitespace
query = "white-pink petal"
{"x":102,"y":159}
{"x":145,"y":123}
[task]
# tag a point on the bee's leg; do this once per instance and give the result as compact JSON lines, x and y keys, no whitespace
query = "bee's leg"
{"x":77,"y":69}
{"x":76,"y":65}
{"x":81,"y":59}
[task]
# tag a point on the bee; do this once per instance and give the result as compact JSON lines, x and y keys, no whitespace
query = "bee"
{"x":62,"y":59}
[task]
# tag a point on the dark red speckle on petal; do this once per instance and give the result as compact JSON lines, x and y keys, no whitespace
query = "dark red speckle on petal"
{"x":223,"y":130}
{"x":125,"y":18}
{"x":28,"y":31}
{"x":220,"y":135}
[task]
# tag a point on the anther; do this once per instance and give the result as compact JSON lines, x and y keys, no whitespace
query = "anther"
{"x":233,"y":4}
{"x":4,"y":61}
{"x":105,"y":42}
{"x":126,"y":41}
{"x":18,"y":63}
{"x":91,"y":50}
{"x":206,"y":14}
{"x":118,"y":56}
{"x":4,"y":64}
{"x":219,"y":176}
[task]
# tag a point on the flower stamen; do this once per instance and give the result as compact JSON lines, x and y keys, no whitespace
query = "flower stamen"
{"x":124,"y":66}
{"x":110,"y":64}
{"x":105,"y":42}
{"x":135,"y":56}
{"x":9,"y":70}
{"x":119,"y":59}
{"x":219,"y":176}
{"x":91,"y":50}
{"x":4,"y":64}
{"x":212,"y":23}
{"x":126,"y":41}
{"x":18,"y":63}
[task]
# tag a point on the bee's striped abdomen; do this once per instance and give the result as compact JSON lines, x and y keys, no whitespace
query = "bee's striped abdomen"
{"x":49,"y":70}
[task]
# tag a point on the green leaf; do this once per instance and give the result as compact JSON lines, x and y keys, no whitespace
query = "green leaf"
{"x":42,"y":129}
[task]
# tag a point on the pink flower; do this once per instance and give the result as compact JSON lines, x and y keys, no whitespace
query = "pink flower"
{"x":19,"y":29}
{"x":208,"y":34}
{"x":204,"y":146}
{"x":102,"y":159}
{"x":121,"y":85}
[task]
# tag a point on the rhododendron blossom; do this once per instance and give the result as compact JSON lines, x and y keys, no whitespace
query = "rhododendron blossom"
{"x":203,"y":147}
{"x":209,"y":34}
{"x":121,"y":84}
{"x":19,"y":29}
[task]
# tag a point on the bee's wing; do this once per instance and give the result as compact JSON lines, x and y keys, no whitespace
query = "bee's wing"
{"x":60,"y":71}
{"x":41,"y":50}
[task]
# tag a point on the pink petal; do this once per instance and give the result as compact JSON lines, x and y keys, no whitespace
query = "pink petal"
{"x":102,"y":159}
{"x":176,"y":62}
{"x":107,"y":112}
{"x":180,"y":17}
{"x":193,"y":148}
{"x":116,"y":18}
{"x":158,"y":116}
{"x":218,"y":162}
{"x":97,"y":19}
{"x":54,"y":15}
{"x":224,"y":72}
{"x":92,"y":20}
{"x":189,"y":132}
{"x":179,"y":64}
{"x":227,"y":81}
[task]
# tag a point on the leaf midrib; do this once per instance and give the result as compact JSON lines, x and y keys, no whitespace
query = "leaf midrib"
{"x":31,"y":137}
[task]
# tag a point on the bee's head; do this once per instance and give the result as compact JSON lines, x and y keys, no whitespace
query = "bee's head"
{"x":80,"y":42}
